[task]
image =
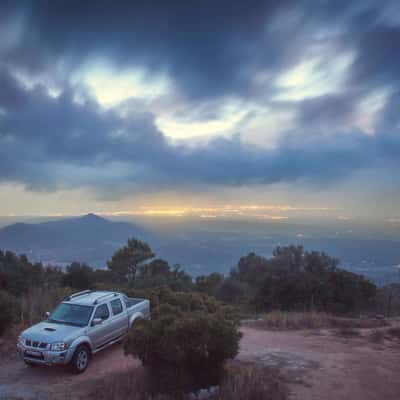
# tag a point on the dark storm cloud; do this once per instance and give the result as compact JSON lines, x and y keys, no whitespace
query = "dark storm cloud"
{"x":378,"y":61}
{"x":61,"y":130}
{"x":210,"y":50}
{"x":47,"y":140}
{"x":389,"y":118}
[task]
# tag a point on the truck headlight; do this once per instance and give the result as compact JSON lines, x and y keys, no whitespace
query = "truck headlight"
{"x":59,"y":346}
{"x":21,"y":340}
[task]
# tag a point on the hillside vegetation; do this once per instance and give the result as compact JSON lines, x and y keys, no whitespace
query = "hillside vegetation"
{"x":194,"y":328}
{"x":291,"y":280}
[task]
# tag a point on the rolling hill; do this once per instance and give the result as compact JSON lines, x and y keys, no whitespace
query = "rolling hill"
{"x":89,"y":238}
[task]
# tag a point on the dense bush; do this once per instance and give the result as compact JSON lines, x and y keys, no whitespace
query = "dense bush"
{"x":9,"y":310}
{"x":159,"y":273}
{"x":18,"y":275}
{"x":78,"y":276}
{"x":209,"y":284}
{"x":235,"y":291}
{"x":184,"y":301}
{"x":186,"y":342}
{"x":294,"y":279}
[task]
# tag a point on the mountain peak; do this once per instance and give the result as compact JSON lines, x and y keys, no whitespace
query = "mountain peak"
{"x":92,"y":217}
{"x":89,"y":238}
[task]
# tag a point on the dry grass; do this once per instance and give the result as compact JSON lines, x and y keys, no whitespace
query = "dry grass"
{"x":129,"y":385}
{"x":33,"y":308}
{"x":242,"y":382}
{"x":8,"y":343}
{"x":252,"y":382}
{"x":35,"y":304}
{"x":280,"y":320}
{"x":290,"y":320}
{"x":357,"y":323}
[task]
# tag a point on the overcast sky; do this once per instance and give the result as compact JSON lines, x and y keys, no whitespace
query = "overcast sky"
{"x":119,"y":106}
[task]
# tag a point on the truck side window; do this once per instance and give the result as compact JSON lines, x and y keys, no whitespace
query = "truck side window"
{"x":116,"y":306}
{"x":102,"y":312}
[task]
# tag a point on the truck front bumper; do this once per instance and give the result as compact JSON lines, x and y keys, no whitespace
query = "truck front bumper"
{"x":44,"y":357}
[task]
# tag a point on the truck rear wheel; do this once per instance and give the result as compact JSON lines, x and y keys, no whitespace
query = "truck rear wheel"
{"x":80,"y":359}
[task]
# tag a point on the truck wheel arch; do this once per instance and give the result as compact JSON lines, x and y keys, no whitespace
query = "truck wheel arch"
{"x":135,"y":317}
{"x":85,"y":341}
{"x":87,"y":345}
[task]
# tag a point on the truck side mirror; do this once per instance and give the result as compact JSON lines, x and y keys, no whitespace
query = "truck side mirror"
{"x":97,"y":321}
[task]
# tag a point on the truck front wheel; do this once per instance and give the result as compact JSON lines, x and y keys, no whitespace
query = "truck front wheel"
{"x":80,"y":359}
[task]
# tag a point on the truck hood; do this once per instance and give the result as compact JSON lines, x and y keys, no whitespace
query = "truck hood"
{"x":49,"y":332}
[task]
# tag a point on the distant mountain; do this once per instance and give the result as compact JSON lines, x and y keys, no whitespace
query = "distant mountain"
{"x":89,"y":238}
{"x":199,"y":246}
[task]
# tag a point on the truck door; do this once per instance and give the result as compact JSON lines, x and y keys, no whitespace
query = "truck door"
{"x":100,"y":334}
{"x":119,"y":319}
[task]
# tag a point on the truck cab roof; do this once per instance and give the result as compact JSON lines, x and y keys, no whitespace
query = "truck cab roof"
{"x":91,"y":298}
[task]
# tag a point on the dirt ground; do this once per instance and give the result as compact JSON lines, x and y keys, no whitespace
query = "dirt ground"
{"x":18,"y":381}
{"x":323,"y":365}
{"x":316,"y":365}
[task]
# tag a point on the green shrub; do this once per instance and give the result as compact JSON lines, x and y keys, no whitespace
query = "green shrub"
{"x":78,"y":276}
{"x":233,"y":291}
{"x":185,"y":301}
{"x":9,"y":310}
{"x":18,"y":275}
{"x":296,"y":280}
{"x":185,"y":344}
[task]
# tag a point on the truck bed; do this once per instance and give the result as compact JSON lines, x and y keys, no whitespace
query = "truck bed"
{"x":131,"y":301}
{"x":134,"y":305}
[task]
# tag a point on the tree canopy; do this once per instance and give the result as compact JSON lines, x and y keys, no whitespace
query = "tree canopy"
{"x":125,"y":262}
{"x":295,"y":279}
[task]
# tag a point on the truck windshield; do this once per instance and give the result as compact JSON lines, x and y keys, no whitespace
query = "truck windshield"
{"x":71,"y":314}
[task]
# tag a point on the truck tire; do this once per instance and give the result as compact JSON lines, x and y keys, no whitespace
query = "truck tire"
{"x":80,"y":359}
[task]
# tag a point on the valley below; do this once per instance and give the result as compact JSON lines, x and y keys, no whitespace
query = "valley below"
{"x":202,"y":247}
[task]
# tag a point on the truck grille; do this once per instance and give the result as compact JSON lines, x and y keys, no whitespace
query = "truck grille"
{"x":40,"y":345}
{"x":38,"y":356}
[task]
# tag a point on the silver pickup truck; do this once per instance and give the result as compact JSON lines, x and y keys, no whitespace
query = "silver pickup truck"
{"x":80,"y":326}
